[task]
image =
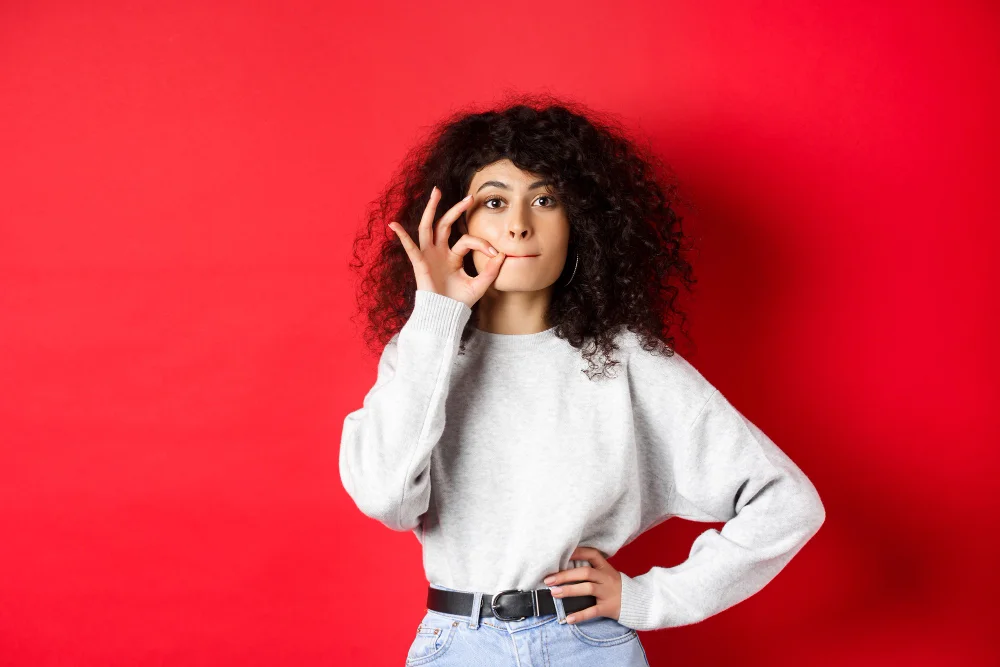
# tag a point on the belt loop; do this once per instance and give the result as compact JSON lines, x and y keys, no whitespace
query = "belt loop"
{"x":477,"y":606}
{"x":560,"y":610}
{"x":534,"y":601}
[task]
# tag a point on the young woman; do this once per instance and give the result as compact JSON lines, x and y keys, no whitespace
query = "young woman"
{"x":528,"y":240}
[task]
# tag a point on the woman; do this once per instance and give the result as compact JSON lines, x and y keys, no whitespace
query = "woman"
{"x":531,"y":238}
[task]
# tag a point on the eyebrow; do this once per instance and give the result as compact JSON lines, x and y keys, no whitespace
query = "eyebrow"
{"x":504,"y":186}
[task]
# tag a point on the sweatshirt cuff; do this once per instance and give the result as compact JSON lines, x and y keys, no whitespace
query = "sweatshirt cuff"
{"x":636,"y":605}
{"x":438,"y":314}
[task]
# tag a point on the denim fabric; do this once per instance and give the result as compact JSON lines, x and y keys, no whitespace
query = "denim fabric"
{"x":538,"y":641}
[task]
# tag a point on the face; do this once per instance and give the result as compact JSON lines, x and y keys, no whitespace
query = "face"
{"x":523,"y":218}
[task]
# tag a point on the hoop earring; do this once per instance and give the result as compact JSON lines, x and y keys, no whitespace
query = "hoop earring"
{"x":576,"y":263}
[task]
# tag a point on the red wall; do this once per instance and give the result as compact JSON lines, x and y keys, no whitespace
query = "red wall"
{"x":179,"y":186}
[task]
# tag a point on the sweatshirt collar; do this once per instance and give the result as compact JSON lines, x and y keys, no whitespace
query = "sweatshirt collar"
{"x":495,"y":341}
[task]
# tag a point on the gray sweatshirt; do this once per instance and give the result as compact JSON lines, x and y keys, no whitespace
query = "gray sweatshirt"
{"x":505,"y":458}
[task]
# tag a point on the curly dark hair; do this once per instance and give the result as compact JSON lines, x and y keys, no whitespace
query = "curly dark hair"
{"x":620,"y":202}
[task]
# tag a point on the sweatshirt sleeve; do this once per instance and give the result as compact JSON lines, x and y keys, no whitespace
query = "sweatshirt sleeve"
{"x":722,"y":468}
{"x":386,"y":445}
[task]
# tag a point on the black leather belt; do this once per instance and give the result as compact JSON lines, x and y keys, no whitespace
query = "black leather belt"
{"x":509,"y":605}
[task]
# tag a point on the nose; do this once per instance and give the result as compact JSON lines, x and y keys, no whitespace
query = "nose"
{"x":517,"y":227}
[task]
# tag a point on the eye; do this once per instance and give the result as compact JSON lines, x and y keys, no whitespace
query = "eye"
{"x":552,"y":201}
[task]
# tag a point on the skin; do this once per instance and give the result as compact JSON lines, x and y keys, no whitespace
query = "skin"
{"x":506,"y":211}
{"x":601,"y":580}
{"x":526,"y":221}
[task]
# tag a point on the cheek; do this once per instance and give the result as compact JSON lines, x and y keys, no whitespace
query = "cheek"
{"x":470,"y":224}
{"x":476,"y":227}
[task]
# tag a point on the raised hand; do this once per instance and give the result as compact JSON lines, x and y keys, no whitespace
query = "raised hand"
{"x":439,"y":268}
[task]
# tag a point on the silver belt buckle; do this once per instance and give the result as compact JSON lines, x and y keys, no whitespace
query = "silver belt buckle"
{"x":493,"y":605}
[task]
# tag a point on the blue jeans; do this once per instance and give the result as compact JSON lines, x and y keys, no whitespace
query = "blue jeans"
{"x":466,"y":640}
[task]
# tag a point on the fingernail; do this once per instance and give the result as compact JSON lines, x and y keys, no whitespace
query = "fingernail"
{"x":467,"y":198}
{"x":493,"y":251}
{"x":570,"y":619}
{"x":555,"y":589}
{"x":549,"y":580}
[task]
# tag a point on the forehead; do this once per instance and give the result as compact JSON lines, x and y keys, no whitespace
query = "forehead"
{"x":506,"y":171}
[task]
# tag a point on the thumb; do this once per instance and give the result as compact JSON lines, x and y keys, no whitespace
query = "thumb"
{"x":489,"y":273}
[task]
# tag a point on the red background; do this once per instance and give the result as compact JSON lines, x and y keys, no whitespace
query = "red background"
{"x":180,"y":186}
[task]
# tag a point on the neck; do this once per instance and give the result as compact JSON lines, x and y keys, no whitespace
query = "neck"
{"x":513,"y":313}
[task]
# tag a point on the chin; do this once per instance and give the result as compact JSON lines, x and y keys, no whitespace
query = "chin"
{"x":504,"y":284}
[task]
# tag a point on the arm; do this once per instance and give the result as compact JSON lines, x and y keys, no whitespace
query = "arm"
{"x":386,"y":445}
{"x":724,"y":469}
